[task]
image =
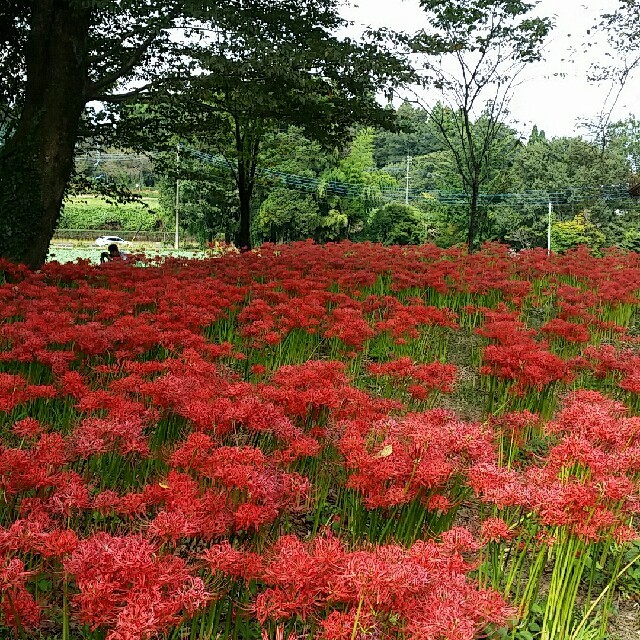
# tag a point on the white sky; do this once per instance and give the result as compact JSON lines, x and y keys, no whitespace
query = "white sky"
{"x":556,"y":94}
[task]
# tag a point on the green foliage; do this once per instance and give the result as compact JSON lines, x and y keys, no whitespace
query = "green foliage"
{"x":485,"y":44}
{"x":632,"y":240}
{"x":272,"y":66}
{"x":88,"y":212}
{"x":287,"y":215}
{"x":358,"y":168}
{"x":281,"y":211}
{"x":272,"y":63}
{"x":416,"y":136}
{"x":630,"y":581}
{"x":397,"y":223}
{"x":552,"y":165}
{"x":571,"y":233}
{"x":207,"y":203}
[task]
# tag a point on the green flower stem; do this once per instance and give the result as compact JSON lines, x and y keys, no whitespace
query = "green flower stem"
{"x":585,"y":618}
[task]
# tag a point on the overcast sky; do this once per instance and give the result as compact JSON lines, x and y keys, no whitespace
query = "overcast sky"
{"x":556,"y":94}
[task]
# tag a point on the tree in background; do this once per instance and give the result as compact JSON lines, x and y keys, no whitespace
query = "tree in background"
{"x":416,"y":136}
{"x":357,"y":169}
{"x":397,"y":223}
{"x":474,"y":54}
{"x":568,"y":171}
{"x":275,"y":68}
{"x":571,"y":233}
{"x":302,"y":189}
{"x":622,"y":29}
{"x":552,"y":166}
{"x":57,"y":56}
{"x":274,"y":60}
{"x":493,"y":178}
{"x":287,"y":215}
{"x":207,"y":209}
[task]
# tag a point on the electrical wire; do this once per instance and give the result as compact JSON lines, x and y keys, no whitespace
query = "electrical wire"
{"x":557,"y":196}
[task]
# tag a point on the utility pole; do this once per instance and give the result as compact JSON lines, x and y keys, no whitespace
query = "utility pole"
{"x":176,"y":241}
{"x":406,"y":192}
{"x":549,"y":230}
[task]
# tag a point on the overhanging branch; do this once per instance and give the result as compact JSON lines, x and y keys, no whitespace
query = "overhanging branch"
{"x":95,"y":88}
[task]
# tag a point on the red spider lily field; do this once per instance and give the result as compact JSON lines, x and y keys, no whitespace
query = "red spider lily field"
{"x":342,"y":442}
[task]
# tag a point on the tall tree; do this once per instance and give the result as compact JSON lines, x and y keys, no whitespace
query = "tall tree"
{"x":56,"y":56}
{"x":358,"y":170}
{"x":474,"y":54}
{"x":621,"y":28}
{"x":59,"y":55}
{"x":278,"y":67}
{"x":568,"y":171}
{"x":416,"y":137}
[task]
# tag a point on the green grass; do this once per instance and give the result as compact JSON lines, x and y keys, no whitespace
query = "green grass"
{"x":70,"y":251}
{"x":151,"y":200}
{"x":92,"y":212}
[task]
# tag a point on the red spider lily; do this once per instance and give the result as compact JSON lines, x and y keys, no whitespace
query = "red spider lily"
{"x":142,"y":421}
{"x":95,"y":436}
{"x":404,"y":321}
{"x":319,"y":390}
{"x":398,"y":461}
{"x":27,"y":428}
{"x":422,"y":591}
{"x":496,"y":530}
{"x":125,"y":586}
{"x":279,"y":635}
{"x":569,"y":331}
{"x":586,"y":482}
{"x":239,"y":564}
{"x":15,"y":390}
{"x":349,"y":326}
{"x":426,"y":378}
{"x":33,"y":468}
{"x":18,"y":609}
{"x":57,"y":543}
{"x":527,"y":364}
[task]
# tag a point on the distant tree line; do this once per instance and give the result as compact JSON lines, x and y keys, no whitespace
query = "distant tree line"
{"x":376,"y":162}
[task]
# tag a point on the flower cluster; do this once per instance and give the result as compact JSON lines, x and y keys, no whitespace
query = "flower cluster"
{"x":412,"y":458}
{"x":422,"y":592}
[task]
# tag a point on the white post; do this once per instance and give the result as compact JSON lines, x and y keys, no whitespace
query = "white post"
{"x":406,"y":192}
{"x":549,"y":230}
{"x":176,"y":241}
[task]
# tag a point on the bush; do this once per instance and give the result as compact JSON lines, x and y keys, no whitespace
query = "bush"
{"x":286,"y":216}
{"x":565,"y":235}
{"x":89,"y":212}
{"x":632,"y":240}
{"x":397,"y":224}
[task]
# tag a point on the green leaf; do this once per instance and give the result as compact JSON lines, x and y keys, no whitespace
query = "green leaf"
{"x":44,"y":585}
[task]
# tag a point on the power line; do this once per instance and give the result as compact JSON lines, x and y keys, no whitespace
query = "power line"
{"x":557,"y":196}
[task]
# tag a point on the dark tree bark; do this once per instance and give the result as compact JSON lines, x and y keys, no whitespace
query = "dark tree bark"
{"x":473,"y":219}
{"x":37,"y":161}
{"x":244,"y":232}
{"x":247,"y":147}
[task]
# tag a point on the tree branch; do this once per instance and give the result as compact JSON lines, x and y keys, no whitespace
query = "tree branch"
{"x":122,"y":97}
{"x":136,"y":55}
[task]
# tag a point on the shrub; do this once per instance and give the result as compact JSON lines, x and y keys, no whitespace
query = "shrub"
{"x":88,"y":212}
{"x":397,"y":224}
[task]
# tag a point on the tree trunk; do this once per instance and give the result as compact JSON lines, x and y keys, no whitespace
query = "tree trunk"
{"x":473,"y":218}
{"x":244,"y":233}
{"x":247,"y":147}
{"x":37,"y":161}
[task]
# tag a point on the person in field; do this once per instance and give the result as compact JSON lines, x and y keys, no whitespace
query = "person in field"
{"x":112,"y":253}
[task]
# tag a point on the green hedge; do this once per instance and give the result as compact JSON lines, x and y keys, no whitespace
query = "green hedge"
{"x":89,"y":212}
